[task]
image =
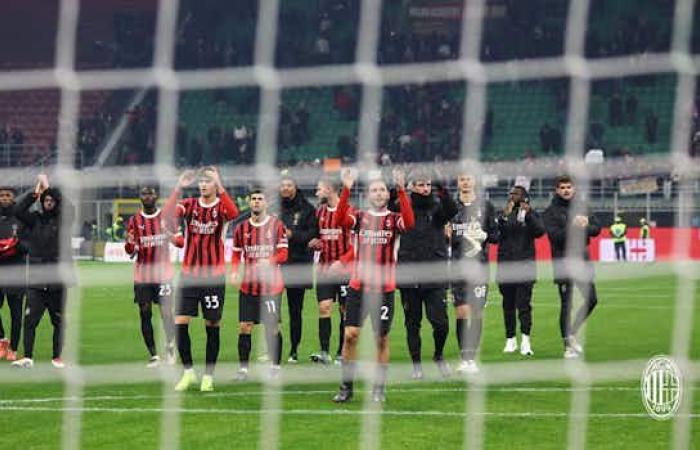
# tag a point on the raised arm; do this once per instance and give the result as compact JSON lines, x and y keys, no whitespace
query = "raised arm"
{"x":230,"y":210}
{"x":171,"y":208}
{"x":21,"y":208}
{"x":345,"y":219}
{"x":406,"y":211}
{"x":130,"y":244}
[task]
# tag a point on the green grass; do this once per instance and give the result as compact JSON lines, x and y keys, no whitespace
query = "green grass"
{"x":634,"y":321}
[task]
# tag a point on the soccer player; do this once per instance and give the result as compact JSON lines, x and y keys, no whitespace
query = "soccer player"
{"x":472,"y":229}
{"x":373,"y":281}
{"x":202,"y":282}
{"x":519,"y":225}
{"x":331,"y":285}
{"x":45,"y":236}
{"x":561,"y":228}
{"x":299,"y":218}
{"x":10,"y":256}
{"x":260,"y":243}
{"x":426,"y":244}
{"x":148,"y":240}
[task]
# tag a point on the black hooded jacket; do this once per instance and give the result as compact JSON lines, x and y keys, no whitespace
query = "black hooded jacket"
{"x":43,"y":228}
{"x":556,"y":221}
{"x":426,"y":241}
{"x":299,"y":215}
{"x":516,"y":242}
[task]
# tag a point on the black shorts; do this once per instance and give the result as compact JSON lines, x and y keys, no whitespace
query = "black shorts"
{"x":335,"y":291}
{"x":470,"y":294}
{"x":153,"y":293}
{"x":252,"y":308}
{"x":207,"y":292}
{"x":359,"y":306}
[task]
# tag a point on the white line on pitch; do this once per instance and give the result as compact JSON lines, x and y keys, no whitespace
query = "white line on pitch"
{"x":317,"y":392}
{"x":328,"y":412}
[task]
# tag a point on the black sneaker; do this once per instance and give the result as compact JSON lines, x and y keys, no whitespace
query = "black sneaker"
{"x":379,"y":394}
{"x":344,"y":394}
{"x":321,"y":358}
{"x":443,"y":367}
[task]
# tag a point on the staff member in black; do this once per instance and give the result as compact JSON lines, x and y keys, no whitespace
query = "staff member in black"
{"x":301,"y":225}
{"x":519,"y":225}
{"x":557,"y":221}
{"x":425,"y":243}
{"x":45,"y":236}
{"x":11,"y":258}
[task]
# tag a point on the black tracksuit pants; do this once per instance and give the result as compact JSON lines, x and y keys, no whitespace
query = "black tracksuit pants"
{"x":517,"y":297}
{"x":413,"y":300}
{"x":39,"y":300}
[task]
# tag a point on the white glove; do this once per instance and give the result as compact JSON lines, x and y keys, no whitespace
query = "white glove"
{"x":475,"y":232}
{"x":471,"y":247}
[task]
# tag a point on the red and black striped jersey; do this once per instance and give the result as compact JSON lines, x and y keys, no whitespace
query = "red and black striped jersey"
{"x":205,"y":229}
{"x":255,"y":242}
{"x":336,"y":238}
{"x":152,"y":248}
{"x":377,"y":240}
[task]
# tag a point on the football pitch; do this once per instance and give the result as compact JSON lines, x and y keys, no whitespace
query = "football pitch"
{"x":633,"y":322}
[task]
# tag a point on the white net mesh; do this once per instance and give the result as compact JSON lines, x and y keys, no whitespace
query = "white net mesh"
{"x":477,"y":76}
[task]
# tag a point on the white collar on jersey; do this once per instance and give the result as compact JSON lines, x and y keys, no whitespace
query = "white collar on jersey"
{"x":384,"y":213}
{"x":214,"y":203}
{"x":150,"y":216}
{"x":263,"y":223}
{"x":331,"y":209}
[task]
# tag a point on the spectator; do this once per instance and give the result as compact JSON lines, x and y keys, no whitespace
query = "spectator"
{"x":651,"y":126}
{"x":631,"y":109}
{"x":615,"y":110}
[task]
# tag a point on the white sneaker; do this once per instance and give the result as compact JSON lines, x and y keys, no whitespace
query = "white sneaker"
{"x":24,"y":363}
{"x":58,"y":363}
{"x":570,"y":353}
{"x":468,"y":367}
{"x":263,"y":358}
{"x":511,"y":345}
{"x":153,"y":362}
{"x":274,"y":372}
{"x":242,"y":374}
{"x":574,"y":344}
{"x":170,"y":355}
{"x":525,"y":348}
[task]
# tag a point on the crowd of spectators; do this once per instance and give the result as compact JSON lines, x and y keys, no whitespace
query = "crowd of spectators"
{"x":11,"y":145}
{"x":214,"y":33}
{"x":330,"y":37}
{"x":637,"y":30}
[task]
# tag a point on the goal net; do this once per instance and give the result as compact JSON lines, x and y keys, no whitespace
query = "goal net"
{"x":511,"y":93}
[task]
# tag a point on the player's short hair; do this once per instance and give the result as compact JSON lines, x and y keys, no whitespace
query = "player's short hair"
{"x":561,"y":179}
{"x":421,"y":174}
{"x":522,"y":190}
{"x":8,"y":188}
{"x":148,"y":188}
{"x":256,"y":190}
{"x":206,"y":172}
{"x":286,"y":175}
{"x":373,"y":180}
{"x":331,"y":182}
